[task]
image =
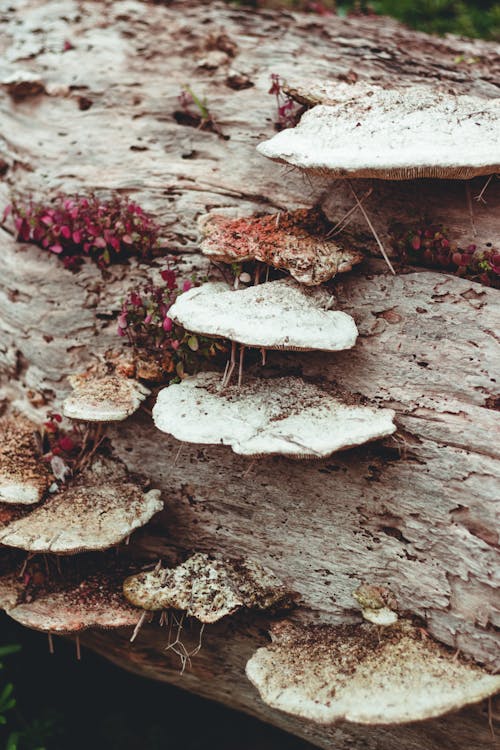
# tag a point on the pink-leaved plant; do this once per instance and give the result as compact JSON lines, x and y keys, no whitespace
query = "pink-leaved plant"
{"x":288,"y":110}
{"x":144,"y":320}
{"x":75,"y":227}
{"x":429,"y":246}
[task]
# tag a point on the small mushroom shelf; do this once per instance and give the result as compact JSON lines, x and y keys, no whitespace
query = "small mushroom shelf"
{"x":207,"y":588}
{"x":103,"y":398}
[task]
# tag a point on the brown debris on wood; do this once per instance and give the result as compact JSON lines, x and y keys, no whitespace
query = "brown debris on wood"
{"x":22,"y":85}
{"x":10,"y":513}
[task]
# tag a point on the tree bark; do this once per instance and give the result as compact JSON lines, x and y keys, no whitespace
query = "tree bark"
{"x":415,"y":512}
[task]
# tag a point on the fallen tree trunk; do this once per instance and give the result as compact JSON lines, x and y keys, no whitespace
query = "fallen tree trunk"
{"x":415,"y":512}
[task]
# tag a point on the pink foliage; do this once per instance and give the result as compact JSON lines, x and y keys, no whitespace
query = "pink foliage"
{"x":144,"y":320}
{"x":428,"y":245}
{"x":288,"y":111}
{"x":75,"y":226}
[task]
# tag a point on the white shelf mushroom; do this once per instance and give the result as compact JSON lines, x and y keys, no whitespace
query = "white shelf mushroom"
{"x":103,"y":398}
{"x":282,"y":416}
{"x":206,"y":588}
{"x":369,"y":131}
{"x":24,"y":478}
{"x":377,"y":604}
{"x":99,"y":509}
{"x":295,"y":241}
{"x":388,"y":134}
{"x":363,"y":675}
{"x":274,"y":315}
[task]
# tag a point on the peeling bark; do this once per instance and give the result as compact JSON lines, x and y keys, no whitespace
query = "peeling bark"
{"x":414,"y":513}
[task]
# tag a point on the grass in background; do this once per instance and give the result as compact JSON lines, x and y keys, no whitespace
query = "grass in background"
{"x":480,"y":18}
{"x":473,"y":18}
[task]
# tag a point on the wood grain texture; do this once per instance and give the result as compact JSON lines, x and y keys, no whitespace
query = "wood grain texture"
{"x":416,"y":512}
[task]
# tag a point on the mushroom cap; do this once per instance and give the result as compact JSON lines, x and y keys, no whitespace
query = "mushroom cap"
{"x":99,"y":509}
{"x":282,"y":416}
{"x":380,"y":616}
{"x":295,"y":241}
{"x":103,"y":398}
{"x":275,"y":315}
{"x":24,"y":478}
{"x":394,"y":135}
{"x":377,"y":604}
{"x":355,"y":673}
{"x":72,"y":602}
{"x":206,"y":588}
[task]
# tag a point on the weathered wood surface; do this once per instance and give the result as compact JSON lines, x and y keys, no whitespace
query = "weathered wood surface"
{"x":416,"y":512}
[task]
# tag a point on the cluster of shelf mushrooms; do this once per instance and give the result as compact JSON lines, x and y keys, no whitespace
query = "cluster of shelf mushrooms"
{"x":379,"y":671}
{"x":55,"y":575}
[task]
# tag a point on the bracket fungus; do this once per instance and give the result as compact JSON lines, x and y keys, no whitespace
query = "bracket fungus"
{"x":281,"y":416}
{"x":274,"y":315}
{"x":103,"y":398}
{"x":363,"y":675}
{"x":72,"y":603}
{"x":23,"y":477}
{"x":377,"y":604}
{"x":294,"y":241}
{"x":368,"y":131}
{"x":206,"y":588}
{"x":99,"y":509}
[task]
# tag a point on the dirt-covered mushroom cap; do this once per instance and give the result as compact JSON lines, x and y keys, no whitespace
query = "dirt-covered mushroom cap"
{"x":275,"y":315}
{"x":103,"y":398}
{"x":394,"y":135}
{"x":364,"y":675}
{"x":72,"y":602}
{"x":96,"y":511}
{"x":282,"y":416}
{"x":206,"y":588}
{"x":295,"y":241}
{"x":24,"y":477}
